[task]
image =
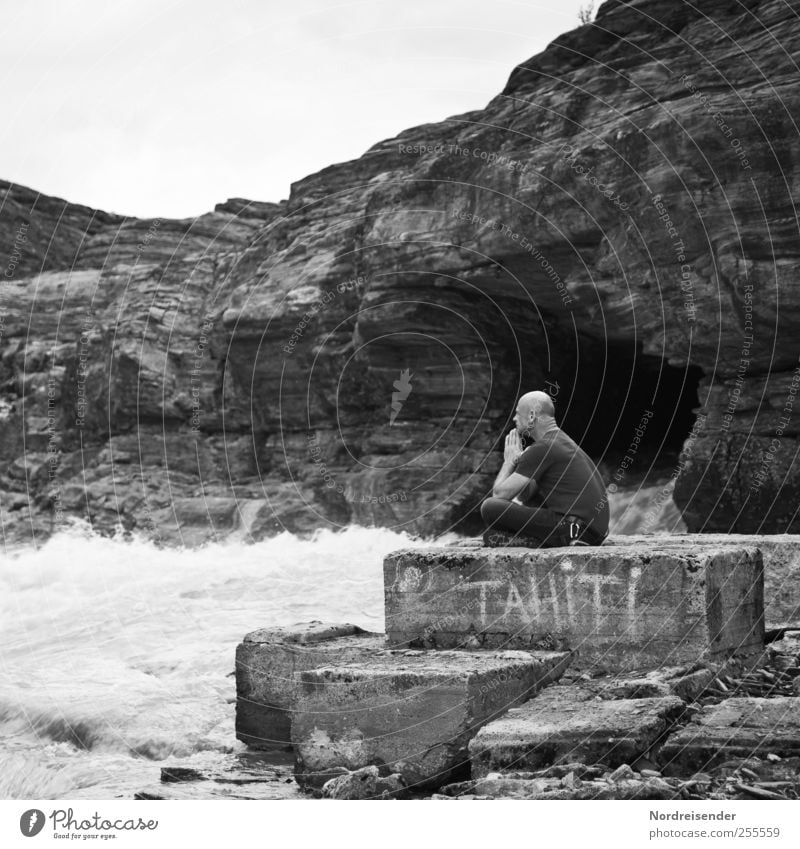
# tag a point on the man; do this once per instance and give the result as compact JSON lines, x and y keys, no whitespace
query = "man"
{"x":551,"y":493}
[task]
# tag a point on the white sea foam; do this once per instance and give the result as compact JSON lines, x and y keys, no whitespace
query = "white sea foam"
{"x":120,"y":647}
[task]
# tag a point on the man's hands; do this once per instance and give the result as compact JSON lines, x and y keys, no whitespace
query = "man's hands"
{"x":513,"y":449}
{"x":508,"y":483}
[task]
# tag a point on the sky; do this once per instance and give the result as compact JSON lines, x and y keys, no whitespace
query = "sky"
{"x":167,"y":107}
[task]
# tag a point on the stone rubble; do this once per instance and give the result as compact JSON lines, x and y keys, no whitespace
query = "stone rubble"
{"x":365,"y":783}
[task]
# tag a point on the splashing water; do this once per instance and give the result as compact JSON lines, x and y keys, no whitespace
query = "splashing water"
{"x":119,"y":650}
{"x":646,"y":510}
{"x":117,"y":657}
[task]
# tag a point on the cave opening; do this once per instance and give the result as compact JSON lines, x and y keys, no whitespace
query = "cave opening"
{"x":630,"y":411}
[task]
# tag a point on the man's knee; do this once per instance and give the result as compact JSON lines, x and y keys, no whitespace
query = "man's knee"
{"x":492,"y":507}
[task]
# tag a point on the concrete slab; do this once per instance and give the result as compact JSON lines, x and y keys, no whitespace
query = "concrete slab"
{"x":568,"y":723}
{"x":735,"y":728}
{"x":266,"y":661}
{"x":414,"y":712}
{"x":618,"y":607}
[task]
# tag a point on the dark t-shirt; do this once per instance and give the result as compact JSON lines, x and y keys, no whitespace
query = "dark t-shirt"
{"x":567,"y":480}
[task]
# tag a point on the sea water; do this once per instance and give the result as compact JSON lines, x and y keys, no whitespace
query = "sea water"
{"x":117,"y":657}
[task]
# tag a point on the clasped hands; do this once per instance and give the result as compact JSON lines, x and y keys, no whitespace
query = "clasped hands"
{"x":513,"y":448}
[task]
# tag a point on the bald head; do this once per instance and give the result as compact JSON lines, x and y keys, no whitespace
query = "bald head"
{"x":535,"y":414}
{"x":538,"y":402}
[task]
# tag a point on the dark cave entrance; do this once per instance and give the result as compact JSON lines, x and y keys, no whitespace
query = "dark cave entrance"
{"x":603,"y":391}
{"x":629,"y":409}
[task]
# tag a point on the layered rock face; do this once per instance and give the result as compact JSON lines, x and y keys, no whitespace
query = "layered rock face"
{"x":617,"y":226}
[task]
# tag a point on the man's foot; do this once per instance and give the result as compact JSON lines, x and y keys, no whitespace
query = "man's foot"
{"x":505,"y":539}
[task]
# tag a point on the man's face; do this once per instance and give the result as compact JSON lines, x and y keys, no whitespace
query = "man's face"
{"x":522,"y":419}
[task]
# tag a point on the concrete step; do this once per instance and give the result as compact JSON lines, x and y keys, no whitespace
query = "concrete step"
{"x":266,"y":661}
{"x":571,"y":723}
{"x":735,"y":728}
{"x":620,"y":608}
{"x":413,"y":712}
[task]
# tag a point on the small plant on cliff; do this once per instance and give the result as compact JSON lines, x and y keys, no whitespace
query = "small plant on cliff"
{"x":586,"y":13}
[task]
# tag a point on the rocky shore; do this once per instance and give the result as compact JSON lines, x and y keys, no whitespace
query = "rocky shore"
{"x":674,"y":691}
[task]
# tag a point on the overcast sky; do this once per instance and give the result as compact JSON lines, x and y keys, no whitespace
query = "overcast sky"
{"x":166,"y":107}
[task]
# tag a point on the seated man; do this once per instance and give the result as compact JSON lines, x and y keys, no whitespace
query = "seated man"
{"x":551,"y":493}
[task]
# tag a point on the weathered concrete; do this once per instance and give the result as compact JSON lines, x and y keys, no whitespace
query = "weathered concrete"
{"x":781,"y":554}
{"x":266,"y":661}
{"x":569,"y":723}
{"x":735,"y":728}
{"x":414,"y":712}
{"x":684,"y":683}
{"x":620,"y":607}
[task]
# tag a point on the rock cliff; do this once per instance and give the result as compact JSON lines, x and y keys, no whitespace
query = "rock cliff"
{"x":618,"y":226}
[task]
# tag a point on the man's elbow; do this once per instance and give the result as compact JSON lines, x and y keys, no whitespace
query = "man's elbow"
{"x":504,"y":492}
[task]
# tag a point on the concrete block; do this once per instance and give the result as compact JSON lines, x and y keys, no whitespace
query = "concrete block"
{"x":735,"y":728}
{"x":413,"y":712}
{"x":781,"y":554}
{"x":568,"y":723}
{"x":619,"y":607}
{"x":266,"y":661}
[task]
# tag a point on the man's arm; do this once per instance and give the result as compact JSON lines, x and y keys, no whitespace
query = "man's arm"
{"x":509,"y":484}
